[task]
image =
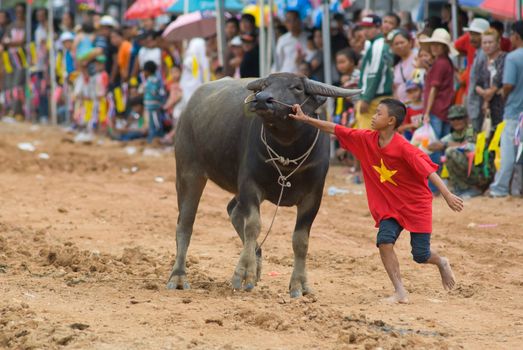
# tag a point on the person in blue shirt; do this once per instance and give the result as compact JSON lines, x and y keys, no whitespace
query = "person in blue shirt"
{"x":513,"y":113}
{"x":153,"y":100}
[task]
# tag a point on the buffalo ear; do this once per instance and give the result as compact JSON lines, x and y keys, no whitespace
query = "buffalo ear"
{"x":256,"y":85}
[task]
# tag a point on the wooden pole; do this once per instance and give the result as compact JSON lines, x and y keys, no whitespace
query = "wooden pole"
{"x":262,"y":40}
{"x":220,"y":30}
{"x":52,"y":62}
{"x":28,"y":29}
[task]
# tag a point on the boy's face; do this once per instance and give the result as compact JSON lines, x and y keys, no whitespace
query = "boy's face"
{"x":458,"y":124}
{"x":343,"y":64}
{"x":68,"y":45}
{"x":414,"y":94}
{"x":382,"y":120}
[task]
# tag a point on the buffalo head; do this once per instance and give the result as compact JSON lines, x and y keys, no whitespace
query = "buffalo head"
{"x":274,"y":95}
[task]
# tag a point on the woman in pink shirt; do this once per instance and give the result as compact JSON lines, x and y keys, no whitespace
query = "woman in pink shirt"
{"x":404,"y":62}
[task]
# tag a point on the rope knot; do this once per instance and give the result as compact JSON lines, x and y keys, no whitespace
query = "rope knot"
{"x":285,"y":161}
{"x":282,"y":181}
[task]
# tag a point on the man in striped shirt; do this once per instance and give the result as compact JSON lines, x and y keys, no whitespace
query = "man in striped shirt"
{"x":376,"y":72}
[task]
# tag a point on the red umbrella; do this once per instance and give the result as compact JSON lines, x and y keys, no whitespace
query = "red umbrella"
{"x":501,"y":8}
{"x":143,"y":9}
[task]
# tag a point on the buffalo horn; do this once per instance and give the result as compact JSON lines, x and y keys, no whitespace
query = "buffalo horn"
{"x":316,"y":88}
{"x":256,"y":85}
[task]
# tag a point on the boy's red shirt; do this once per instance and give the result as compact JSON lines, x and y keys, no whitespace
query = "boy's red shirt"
{"x":396,"y":178}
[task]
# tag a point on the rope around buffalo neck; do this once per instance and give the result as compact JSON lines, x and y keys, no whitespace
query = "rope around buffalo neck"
{"x":283,"y":180}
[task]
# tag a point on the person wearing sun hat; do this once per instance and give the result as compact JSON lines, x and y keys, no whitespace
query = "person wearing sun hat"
{"x":438,"y":92}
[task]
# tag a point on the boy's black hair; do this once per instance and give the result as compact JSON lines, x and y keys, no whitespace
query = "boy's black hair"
{"x":395,"y":109}
{"x":249,"y":18}
{"x":517,"y":27}
{"x":296,"y":13}
{"x":136,"y":101}
{"x":150,"y":67}
{"x":396,"y":17}
{"x":350,"y":54}
{"x":233,"y":20}
{"x":88,"y":28}
{"x":498,"y":25}
{"x":118,"y":31}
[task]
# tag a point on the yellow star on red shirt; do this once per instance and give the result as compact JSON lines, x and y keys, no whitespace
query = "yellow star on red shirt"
{"x":385,"y":174}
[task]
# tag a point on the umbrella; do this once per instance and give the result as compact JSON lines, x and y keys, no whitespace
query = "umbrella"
{"x":191,"y":25}
{"x":504,"y":9}
{"x":470,"y":3}
{"x":206,"y":5}
{"x":143,"y":9}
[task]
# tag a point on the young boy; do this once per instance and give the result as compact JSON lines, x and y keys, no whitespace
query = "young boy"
{"x":414,"y":115}
{"x":153,"y":101}
{"x":395,"y":174}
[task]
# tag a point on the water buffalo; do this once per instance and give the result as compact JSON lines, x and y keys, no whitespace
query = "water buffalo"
{"x":249,"y":149}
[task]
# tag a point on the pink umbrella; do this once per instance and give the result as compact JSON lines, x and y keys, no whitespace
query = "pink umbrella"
{"x":504,"y":8}
{"x":191,"y":25}
{"x":143,"y":9}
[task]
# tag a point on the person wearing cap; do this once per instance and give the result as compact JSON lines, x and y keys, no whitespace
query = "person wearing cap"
{"x":489,"y":80}
{"x":469,"y":44}
{"x":376,"y":72}
{"x":290,"y":45}
{"x":414,"y":116}
{"x":102,"y":46}
{"x":438,"y":92}
{"x":236,"y":50}
{"x":457,"y":147}
{"x":512,"y":116}
{"x":66,"y":41}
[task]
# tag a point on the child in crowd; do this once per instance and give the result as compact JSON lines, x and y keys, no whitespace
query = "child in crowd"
{"x":346,"y":64}
{"x":101,"y":79}
{"x":173,"y":106}
{"x":153,"y":101}
{"x":134,"y":126}
{"x":414,"y":114}
{"x":399,"y":198}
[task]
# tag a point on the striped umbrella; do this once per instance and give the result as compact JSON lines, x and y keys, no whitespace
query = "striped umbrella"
{"x":143,"y":9}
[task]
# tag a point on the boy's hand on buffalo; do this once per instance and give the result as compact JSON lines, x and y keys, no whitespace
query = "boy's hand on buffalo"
{"x":298,"y":113}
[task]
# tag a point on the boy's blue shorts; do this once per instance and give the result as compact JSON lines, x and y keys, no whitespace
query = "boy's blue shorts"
{"x":390,"y":230}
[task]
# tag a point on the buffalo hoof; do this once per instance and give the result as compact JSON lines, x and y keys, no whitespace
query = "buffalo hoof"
{"x":238,"y":283}
{"x":297,"y":293}
{"x":178,"y":282}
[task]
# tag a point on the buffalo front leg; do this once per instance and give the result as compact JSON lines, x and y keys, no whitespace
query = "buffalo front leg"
{"x":307,"y":211}
{"x":245,"y":274}
{"x":238,"y":222}
{"x":189,"y":189}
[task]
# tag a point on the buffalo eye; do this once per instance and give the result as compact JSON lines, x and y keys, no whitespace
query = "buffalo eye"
{"x":297,"y":88}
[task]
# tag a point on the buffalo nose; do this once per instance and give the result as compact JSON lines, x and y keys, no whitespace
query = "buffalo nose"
{"x":263,"y":97}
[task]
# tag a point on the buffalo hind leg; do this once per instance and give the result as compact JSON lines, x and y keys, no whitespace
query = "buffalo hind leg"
{"x":189,"y":189}
{"x":238,"y":221}
{"x":307,"y":211}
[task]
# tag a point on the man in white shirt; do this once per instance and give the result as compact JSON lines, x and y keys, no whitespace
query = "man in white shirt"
{"x":290,"y":45}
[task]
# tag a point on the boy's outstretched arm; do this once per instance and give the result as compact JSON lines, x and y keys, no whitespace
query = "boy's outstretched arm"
{"x":317,"y":123}
{"x":455,"y":203}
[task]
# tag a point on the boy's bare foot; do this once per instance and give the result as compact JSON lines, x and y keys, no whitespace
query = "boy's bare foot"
{"x":397,"y":298}
{"x":447,"y":276}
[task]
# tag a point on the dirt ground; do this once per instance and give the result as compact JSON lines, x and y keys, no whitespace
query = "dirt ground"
{"x":87,"y":240}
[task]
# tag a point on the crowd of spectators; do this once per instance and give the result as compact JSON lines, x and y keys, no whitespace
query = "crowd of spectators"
{"x":464,"y":97}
